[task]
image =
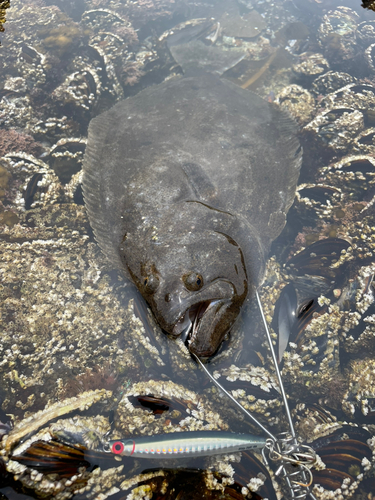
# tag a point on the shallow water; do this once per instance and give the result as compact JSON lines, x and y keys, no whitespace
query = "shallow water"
{"x":71,"y":324}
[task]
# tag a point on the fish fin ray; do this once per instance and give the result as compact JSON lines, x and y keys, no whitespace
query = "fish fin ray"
{"x":291,"y":150}
{"x":106,"y":230}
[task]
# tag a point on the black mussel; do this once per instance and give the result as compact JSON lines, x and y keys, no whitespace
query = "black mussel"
{"x":366,"y":138}
{"x":320,"y":193}
{"x":66,"y":158}
{"x":31,"y":189}
{"x":284,"y":319}
{"x":191,"y":484}
{"x":312,"y":415}
{"x":366,"y":32}
{"x":360,"y":164}
{"x":343,"y":452}
{"x":156,"y":405}
{"x":177,"y":409}
{"x":250,"y":467}
{"x":30,"y":55}
{"x":66,"y":460}
{"x":54,"y":457}
{"x":313,"y":276}
{"x":318,"y":258}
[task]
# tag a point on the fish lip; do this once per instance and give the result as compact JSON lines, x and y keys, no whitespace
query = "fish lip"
{"x":204,"y":339}
{"x":220,"y":290}
{"x":199,"y":328}
{"x":206,"y":318}
{"x":189,"y":321}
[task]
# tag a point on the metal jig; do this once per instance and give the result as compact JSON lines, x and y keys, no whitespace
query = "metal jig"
{"x":185,"y":444}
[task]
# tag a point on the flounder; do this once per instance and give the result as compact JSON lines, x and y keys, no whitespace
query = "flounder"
{"x":186,"y":185}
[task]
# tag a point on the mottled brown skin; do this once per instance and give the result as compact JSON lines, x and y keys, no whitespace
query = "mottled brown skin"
{"x":206,"y":265}
{"x":186,"y":185}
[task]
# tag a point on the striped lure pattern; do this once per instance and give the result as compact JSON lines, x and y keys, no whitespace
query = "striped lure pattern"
{"x":186,"y":444}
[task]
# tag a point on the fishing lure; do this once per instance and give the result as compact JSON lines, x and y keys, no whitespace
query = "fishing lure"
{"x":185,"y":444}
{"x":295,"y":460}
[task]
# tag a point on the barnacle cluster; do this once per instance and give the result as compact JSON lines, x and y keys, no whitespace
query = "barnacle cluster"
{"x":4,"y":4}
{"x":81,"y":357}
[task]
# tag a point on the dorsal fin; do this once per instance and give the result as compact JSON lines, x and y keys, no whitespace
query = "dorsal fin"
{"x":106,"y":229}
{"x":292,"y":151}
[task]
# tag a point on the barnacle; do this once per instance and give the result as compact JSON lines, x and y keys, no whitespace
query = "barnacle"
{"x":4,"y":4}
{"x":368,"y":4}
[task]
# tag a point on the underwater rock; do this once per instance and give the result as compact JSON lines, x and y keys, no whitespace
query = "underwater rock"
{"x":310,"y":66}
{"x":14,"y":142}
{"x":298,"y":101}
{"x":337,"y":35}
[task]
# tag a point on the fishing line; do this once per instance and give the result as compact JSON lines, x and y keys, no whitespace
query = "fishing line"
{"x":299,"y":490}
{"x":295,"y":459}
{"x":252,"y":418}
{"x":274,"y":359}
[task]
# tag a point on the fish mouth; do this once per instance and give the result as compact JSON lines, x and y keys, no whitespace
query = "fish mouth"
{"x":203,"y":326}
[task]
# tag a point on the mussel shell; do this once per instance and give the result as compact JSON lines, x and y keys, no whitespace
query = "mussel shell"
{"x":156,"y":405}
{"x":62,"y":458}
{"x":342,"y":452}
{"x":298,"y":303}
{"x":349,"y":439}
{"x":295,"y":309}
{"x":250,"y":467}
{"x":366,"y":32}
{"x":54,"y":457}
{"x":284,"y":319}
{"x":318,"y":258}
{"x":319,"y":193}
{"x":370,"y":56}
{"x":191,"y":484}
{"x":31,"y":189}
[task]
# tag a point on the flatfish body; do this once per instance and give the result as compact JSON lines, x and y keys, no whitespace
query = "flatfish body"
{"x":186,"y":185}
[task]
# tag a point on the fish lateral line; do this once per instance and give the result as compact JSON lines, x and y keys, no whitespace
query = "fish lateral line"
{"x":210,"y":207}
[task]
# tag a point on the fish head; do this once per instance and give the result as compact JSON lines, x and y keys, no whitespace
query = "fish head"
{"x":195,"y":283}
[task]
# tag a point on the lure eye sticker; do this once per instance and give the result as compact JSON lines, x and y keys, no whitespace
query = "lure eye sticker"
{"x":117,"y":447}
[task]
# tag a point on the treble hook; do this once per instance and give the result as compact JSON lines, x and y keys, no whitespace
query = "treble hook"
{"x":302,"y":465}
{"x":307,"y":485}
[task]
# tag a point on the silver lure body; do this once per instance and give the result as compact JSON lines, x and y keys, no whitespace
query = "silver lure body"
{"x":186,"y":444}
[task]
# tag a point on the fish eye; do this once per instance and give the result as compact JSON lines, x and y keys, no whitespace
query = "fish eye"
{"x":150,"y":283}
{"x":193,"y":281}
